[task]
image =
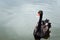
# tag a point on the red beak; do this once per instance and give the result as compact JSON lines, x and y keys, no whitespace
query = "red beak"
{"x":38,"y":14}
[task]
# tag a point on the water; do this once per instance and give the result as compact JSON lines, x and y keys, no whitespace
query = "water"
{"x":19,"y":18}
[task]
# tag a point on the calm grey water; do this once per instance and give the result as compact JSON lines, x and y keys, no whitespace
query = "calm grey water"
{"x":18,"y":18}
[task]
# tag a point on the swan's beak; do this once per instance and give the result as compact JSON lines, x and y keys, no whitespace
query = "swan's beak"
{"x":38,"y":14}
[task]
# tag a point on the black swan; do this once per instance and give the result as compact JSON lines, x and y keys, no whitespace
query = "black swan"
{"x":42,"y":29}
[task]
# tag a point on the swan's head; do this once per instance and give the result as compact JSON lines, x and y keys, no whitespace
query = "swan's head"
{"x":40,"y":12}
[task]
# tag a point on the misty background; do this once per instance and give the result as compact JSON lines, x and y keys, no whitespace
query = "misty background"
{"x":18,"y":18}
